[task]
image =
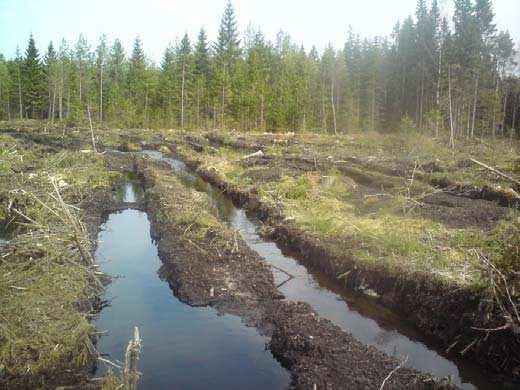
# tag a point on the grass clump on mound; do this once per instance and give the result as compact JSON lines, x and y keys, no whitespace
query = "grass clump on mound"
{"x":48,"y":279}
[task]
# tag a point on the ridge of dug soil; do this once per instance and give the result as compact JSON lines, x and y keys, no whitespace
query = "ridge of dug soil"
{"x":207,"y":263}
{"x":448,"y":312}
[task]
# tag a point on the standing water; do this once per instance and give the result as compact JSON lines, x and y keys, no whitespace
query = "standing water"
{"x":364,"y":318}
{"x":183,"y":347}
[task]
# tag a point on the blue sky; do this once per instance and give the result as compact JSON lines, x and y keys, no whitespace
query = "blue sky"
{"x":158,"y":22}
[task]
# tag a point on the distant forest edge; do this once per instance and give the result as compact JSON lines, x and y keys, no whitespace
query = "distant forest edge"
{"x":456,"y":79}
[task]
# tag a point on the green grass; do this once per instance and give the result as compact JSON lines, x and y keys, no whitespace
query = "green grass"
{"x":381,"y":229}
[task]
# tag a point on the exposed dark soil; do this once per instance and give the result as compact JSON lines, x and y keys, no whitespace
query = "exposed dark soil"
{"x":222,"y":271}
{"x":243,"y":284}
{"x":456,"y":209}
{"x":364,"y":171}
{"x":446,"y":312}
{"x":97,"y":205}
{"x":459,"y":212}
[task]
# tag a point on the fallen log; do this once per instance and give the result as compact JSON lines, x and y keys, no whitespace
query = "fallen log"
{"x":496,"y":171}
{"x":255,"y":154}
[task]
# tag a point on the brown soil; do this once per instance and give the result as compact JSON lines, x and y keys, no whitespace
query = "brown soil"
{"x":312,"y":348}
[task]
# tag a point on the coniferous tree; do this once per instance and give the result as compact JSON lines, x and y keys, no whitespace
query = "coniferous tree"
{"x":455,"y":81}
{"x":227,"y":52}
{"x":137,"y":83}
{"x":201,"y":58}
{"x":51,"y":71}
{"x":185,"y":70}
{"x":32,"y":81}
{"x":101,"y":61}
{"x":5,"y":89}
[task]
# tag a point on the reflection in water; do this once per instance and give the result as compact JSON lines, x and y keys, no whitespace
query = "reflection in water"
{"x":183,"y":347}
{"x":130,"y":191}
{"x":368,"y":321}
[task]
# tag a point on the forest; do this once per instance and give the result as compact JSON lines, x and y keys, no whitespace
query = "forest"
{"x":456,"y":77}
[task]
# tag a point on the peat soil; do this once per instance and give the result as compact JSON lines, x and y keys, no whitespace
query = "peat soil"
{"x":220,"y":270}
{"x":445,"y":312}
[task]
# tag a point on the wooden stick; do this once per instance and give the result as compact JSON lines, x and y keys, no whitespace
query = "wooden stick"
{"x":505,"y":176}
{"x":130,"y":372}
{"x":91,"y":129}
{"x":392,"y":372}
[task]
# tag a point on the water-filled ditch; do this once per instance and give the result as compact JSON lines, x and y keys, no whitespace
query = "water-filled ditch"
{"x":184,"y":347}
{"x":362,"y":316}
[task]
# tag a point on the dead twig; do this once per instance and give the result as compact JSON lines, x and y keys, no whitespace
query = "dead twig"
{"x":496,"y":171}
{"x":393,"y":372}
{"x":130,"y":372}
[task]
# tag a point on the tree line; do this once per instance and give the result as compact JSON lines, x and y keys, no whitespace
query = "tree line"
{"x":454,"y":78}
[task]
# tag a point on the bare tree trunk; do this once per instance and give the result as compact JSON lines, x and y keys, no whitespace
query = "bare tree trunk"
{"x":262,"y":108}
{"x":452,"y":138}
{"x":323,"y":117}
{"x":493,"y":123}
{"x":146,"y":107}
{"x":80,"y":88}
{"x":438,"y":93}
{"x":198,"y":104}
{"x":101,"y":94}
{"x":68,"y":102}
{"x":222,"y":107}
{"x":373,"y":113}
{"x":515,"y":107}
{"x":468,"y":121}
{"x":53,"y":111}
{"x":130,"y":370}
{"x":91,"y":129}
{"x":214,"y":114}
{"x":20,"y":92}
{"x":333,"y":107}
{"x":421,"y":103}
{"x":182,"y":94}
{"x":504,"y":107}
{"x":474,"y":106}
{"x":60,"y":96}
{"x":50,"y":105}
{"x":1,"y":92}
{"x":513,"y":129}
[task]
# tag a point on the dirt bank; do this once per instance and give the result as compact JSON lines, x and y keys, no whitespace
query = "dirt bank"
{"x":446,"y":311}
{"x":207,"y":263}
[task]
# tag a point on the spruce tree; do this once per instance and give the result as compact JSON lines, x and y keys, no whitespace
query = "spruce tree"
{"x":51,"y":71}
{"x":202,"y":76}
{"x":33,"y":84}
{"x":227,"y":52}
{"x":5,"y":89}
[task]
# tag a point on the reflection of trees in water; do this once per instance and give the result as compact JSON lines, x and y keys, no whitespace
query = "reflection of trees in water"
{"x":130,"y":191}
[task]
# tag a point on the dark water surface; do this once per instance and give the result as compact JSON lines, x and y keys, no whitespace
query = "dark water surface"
{"x":363,"y":317}
{"x":183,"y":347}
